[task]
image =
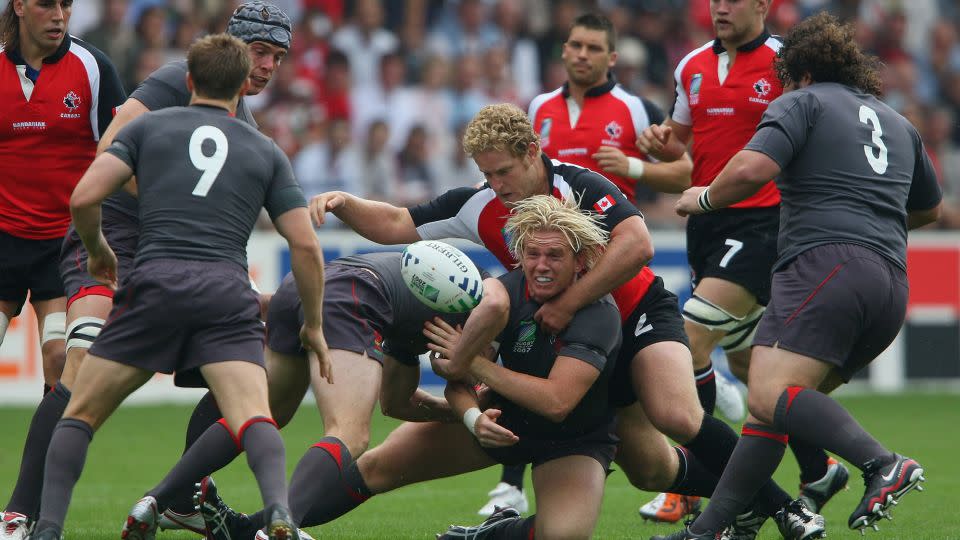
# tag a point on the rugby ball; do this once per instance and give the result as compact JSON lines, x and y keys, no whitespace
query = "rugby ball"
{"x":441,"y":276}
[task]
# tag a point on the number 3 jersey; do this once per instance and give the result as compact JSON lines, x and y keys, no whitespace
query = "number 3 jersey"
{"x":852,"y":169}
{"x":202,"y":177}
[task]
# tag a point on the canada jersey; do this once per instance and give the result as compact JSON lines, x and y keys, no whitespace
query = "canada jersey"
{"x":476,"y":214}
{"x":49,"y":132}
{"x":610,"y":116}
{"x":593,"y":336}
{"x":202,"y":178}
{"x":723,"y":111}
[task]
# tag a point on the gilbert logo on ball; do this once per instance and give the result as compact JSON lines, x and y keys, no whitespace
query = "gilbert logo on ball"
{"x":441,"y":276}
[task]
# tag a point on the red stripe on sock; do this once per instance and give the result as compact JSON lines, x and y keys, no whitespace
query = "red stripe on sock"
{"x":750,"y":432}
{"x":252,"y":421}
{"x":792,"y":392}
{"x":530,"y":536}
{"x":814,"y":293}
{"x":236,"y":440}
{"x":332,"y":449}
{"x":705,"y":380}
{"x":353,"y":494}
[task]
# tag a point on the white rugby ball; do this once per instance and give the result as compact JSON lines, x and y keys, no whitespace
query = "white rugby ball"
{"x":441,"y":276}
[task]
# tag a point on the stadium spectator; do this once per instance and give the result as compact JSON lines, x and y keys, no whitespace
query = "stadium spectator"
{"x":54,"y":123}
{"x":840,"y":287}
{"x":219,"y":336}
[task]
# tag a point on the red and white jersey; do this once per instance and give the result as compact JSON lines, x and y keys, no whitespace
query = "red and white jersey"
{"x":724,"y":104}
{"x":48,"y":133}
{"x":476,"y":214}
{"x":610,"y":116}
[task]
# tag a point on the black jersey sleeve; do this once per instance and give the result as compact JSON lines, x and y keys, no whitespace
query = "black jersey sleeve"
{"x":284,"y":192}
{"x":783,"y":129}
{"x":593,"y":334}
{"x":165,"y":87}
{"x":111,"y":94}
{"x":925,"y":189}
{"x":595,"y":193}
{"x":126,"y":145}
{"x":445,"y":206}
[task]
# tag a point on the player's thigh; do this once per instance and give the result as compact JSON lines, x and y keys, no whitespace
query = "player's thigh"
{"x":350,"y":400}
{"x":421,"y":451}
{"x":569,"y":492}
{"x":662,"y":374}
{"x":85,"y":318}
{"x":288,"y":377}
{"x":645,"y":455}
{"x":101,"y":385}
{"x":773,"y":370}
{"x":240,"y":388}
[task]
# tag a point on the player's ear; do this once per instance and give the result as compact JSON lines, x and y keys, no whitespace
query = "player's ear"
{"x":189,"y":83}
{"x":245,"y":86}
{"x":613,"y":60}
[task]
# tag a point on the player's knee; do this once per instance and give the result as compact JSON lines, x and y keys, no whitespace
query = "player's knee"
{"x":761,"y":403}
{"x":376,"y":473}
{"x":677,"y":420}
{"x":54,"y":328}
{"x":740,"y":337}
{"x":648,"y":476}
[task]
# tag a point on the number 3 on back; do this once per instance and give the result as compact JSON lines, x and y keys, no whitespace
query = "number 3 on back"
{"x":212,"y":165}
{"x":877,"y":163}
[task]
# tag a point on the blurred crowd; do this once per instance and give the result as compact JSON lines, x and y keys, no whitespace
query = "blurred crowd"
{"x":375,"y":93}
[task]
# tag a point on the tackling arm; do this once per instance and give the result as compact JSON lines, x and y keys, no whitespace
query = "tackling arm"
{"x":377,"y":221}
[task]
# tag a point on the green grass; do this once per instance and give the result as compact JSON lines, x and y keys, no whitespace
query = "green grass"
{"x":139,"y":444}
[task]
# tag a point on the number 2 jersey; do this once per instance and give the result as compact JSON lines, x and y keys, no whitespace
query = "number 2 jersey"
{"x":477,"y":215}
{"x":593,"y":336}
{"x":852,"y":169}
{"x":202,"y":178}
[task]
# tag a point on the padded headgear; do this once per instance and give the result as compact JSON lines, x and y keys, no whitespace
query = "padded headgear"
{"x":261,"y":21}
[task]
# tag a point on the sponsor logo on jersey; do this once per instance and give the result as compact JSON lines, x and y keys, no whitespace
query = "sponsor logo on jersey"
{"x":720,"y":111}
{"x":762,"y":87}
{"x":23,"y":126}
{"x":695,"y":82}
{"x":613,"y":131}
{"x":604,"y":204}
{"x":545,"y":132}
{"x":572,"y":152}
{"x":526,"y":335}
{"x":71,"y":101}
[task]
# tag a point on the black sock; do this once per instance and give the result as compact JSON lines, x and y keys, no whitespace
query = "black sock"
{"x":340,"y":499}
{"x":267,"y":459}
{"x":811,"y":459}
{"x":47,"y":388}
{"x":706,"y":380}
{"x":215,"y":449}
{"x":818,"y":420}
{"x":25,"y":498}
{"x":756,"y":457}
{"x":692,"y":477}
{"x":514,"y":529}
{"x":513,"y":475}
{"x":65,"y":460}
{"x":319,"y":472}
{"x":205,"y":414}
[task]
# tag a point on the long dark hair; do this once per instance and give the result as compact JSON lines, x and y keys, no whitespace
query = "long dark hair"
{"x":9,"y":27}
{"x":825,"y":49}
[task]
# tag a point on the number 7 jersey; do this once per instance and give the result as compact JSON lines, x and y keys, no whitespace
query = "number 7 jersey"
{"x":202,"y":178}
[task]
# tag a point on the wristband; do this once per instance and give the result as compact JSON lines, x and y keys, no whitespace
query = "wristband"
{"x":704,"y":201}
{"x":470,"y":419}
{"x":635,"y":168}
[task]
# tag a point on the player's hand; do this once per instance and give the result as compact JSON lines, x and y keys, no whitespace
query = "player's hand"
{"x":443,"y":339}
{"x":102,"y":264}
{"x":323,"y":203}
{"x":687,"y":205}
{"x":653,"y":141}
{"x":316,"y":345}
{"x":612,"y":160}
{"x":553,"y":316}
{"x":491,"y":434}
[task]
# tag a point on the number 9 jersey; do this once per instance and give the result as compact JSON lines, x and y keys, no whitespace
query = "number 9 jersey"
{"x":202,"y":177}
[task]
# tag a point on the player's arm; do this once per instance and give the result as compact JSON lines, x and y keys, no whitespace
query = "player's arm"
{"x":129,"y":111}
{"x":377,"y":221}
{"x":668,"y":176}
{"x":925,"y":199}
{"x":463,"y":399}
{"x":104,"y":176}
{"x":306,"y":262}
{"x":401,"y":397}
{"x":744,"y":175}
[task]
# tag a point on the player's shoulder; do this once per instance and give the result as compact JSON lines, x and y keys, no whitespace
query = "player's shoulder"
{"x":173,"y":73}
{"x":538,"y":102}
{"x":79,"y":46}
{"x":773,"y":43}
{"x":704,"y":51}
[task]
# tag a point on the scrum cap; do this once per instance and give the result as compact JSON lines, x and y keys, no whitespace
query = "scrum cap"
{"x":260,"y":21}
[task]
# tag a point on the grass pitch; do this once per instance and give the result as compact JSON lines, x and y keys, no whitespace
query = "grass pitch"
{"x":136,"y":447}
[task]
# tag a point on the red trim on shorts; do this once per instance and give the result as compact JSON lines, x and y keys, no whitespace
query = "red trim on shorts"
{"x":236,"y":441}
{"x":93,"y":290}
{"x":773,"y":436}
{"x":814,"y":293}
{"x":333,"y":450}
{"x":250,"y":422}
{"x":792,"y":392}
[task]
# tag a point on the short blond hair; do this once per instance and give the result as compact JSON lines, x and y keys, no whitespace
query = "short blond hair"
{"x":503,"y":126}
{"x":581,"y":228}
